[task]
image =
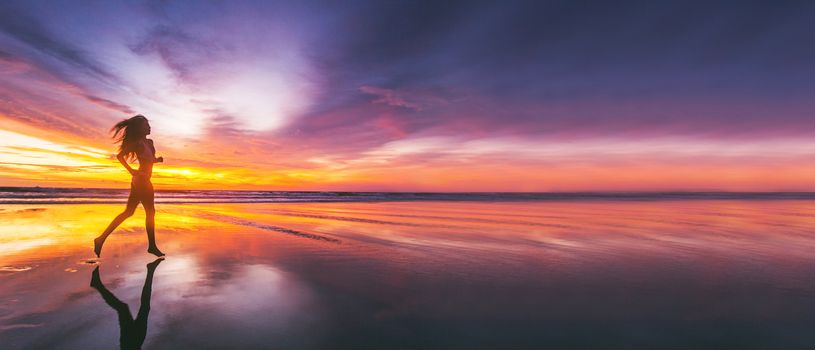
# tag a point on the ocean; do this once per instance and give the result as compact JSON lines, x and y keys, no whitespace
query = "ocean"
{"x":55,"y":195}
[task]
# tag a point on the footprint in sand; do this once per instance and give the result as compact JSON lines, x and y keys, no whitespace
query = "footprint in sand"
{"x":91,"y":261}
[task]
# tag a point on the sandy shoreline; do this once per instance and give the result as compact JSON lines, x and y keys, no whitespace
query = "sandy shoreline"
{"x":417,"y":274}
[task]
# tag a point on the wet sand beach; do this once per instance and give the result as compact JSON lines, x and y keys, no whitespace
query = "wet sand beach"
{"x":669,"y":274}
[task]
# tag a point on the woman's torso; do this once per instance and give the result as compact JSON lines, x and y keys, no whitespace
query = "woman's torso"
{"x":145,"y":153}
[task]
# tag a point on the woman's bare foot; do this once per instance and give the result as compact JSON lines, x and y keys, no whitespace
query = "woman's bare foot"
{"x":155,"y":251}
{"x":97,"y":246}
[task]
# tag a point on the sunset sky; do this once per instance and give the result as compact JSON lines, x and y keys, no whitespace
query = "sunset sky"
{"x":413,"y":95}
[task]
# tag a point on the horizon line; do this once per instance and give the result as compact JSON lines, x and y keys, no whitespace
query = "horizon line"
{"x":715,"y":191}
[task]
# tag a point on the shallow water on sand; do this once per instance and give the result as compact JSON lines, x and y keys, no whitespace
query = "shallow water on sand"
{"x":414,"y":275}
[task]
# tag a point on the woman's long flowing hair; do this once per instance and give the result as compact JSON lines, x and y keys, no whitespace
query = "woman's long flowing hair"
{"x":128,"y":133}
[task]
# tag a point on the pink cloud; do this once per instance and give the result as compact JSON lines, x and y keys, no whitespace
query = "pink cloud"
{"x":390,"y":97}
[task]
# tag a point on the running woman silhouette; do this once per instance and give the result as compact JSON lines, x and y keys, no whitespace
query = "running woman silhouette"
{"x":131,"y":134}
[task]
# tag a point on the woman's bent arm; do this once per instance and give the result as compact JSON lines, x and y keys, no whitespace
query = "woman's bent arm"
{"x":121,"y":158}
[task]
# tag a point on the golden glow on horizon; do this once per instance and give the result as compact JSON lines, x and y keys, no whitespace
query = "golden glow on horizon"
{"x":433,"y":164}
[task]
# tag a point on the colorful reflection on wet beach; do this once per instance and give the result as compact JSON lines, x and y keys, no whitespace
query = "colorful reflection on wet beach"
{"x":559,"y":274}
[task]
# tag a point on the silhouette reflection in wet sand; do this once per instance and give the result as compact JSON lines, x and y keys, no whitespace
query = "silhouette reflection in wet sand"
{"x":131,"y":331}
